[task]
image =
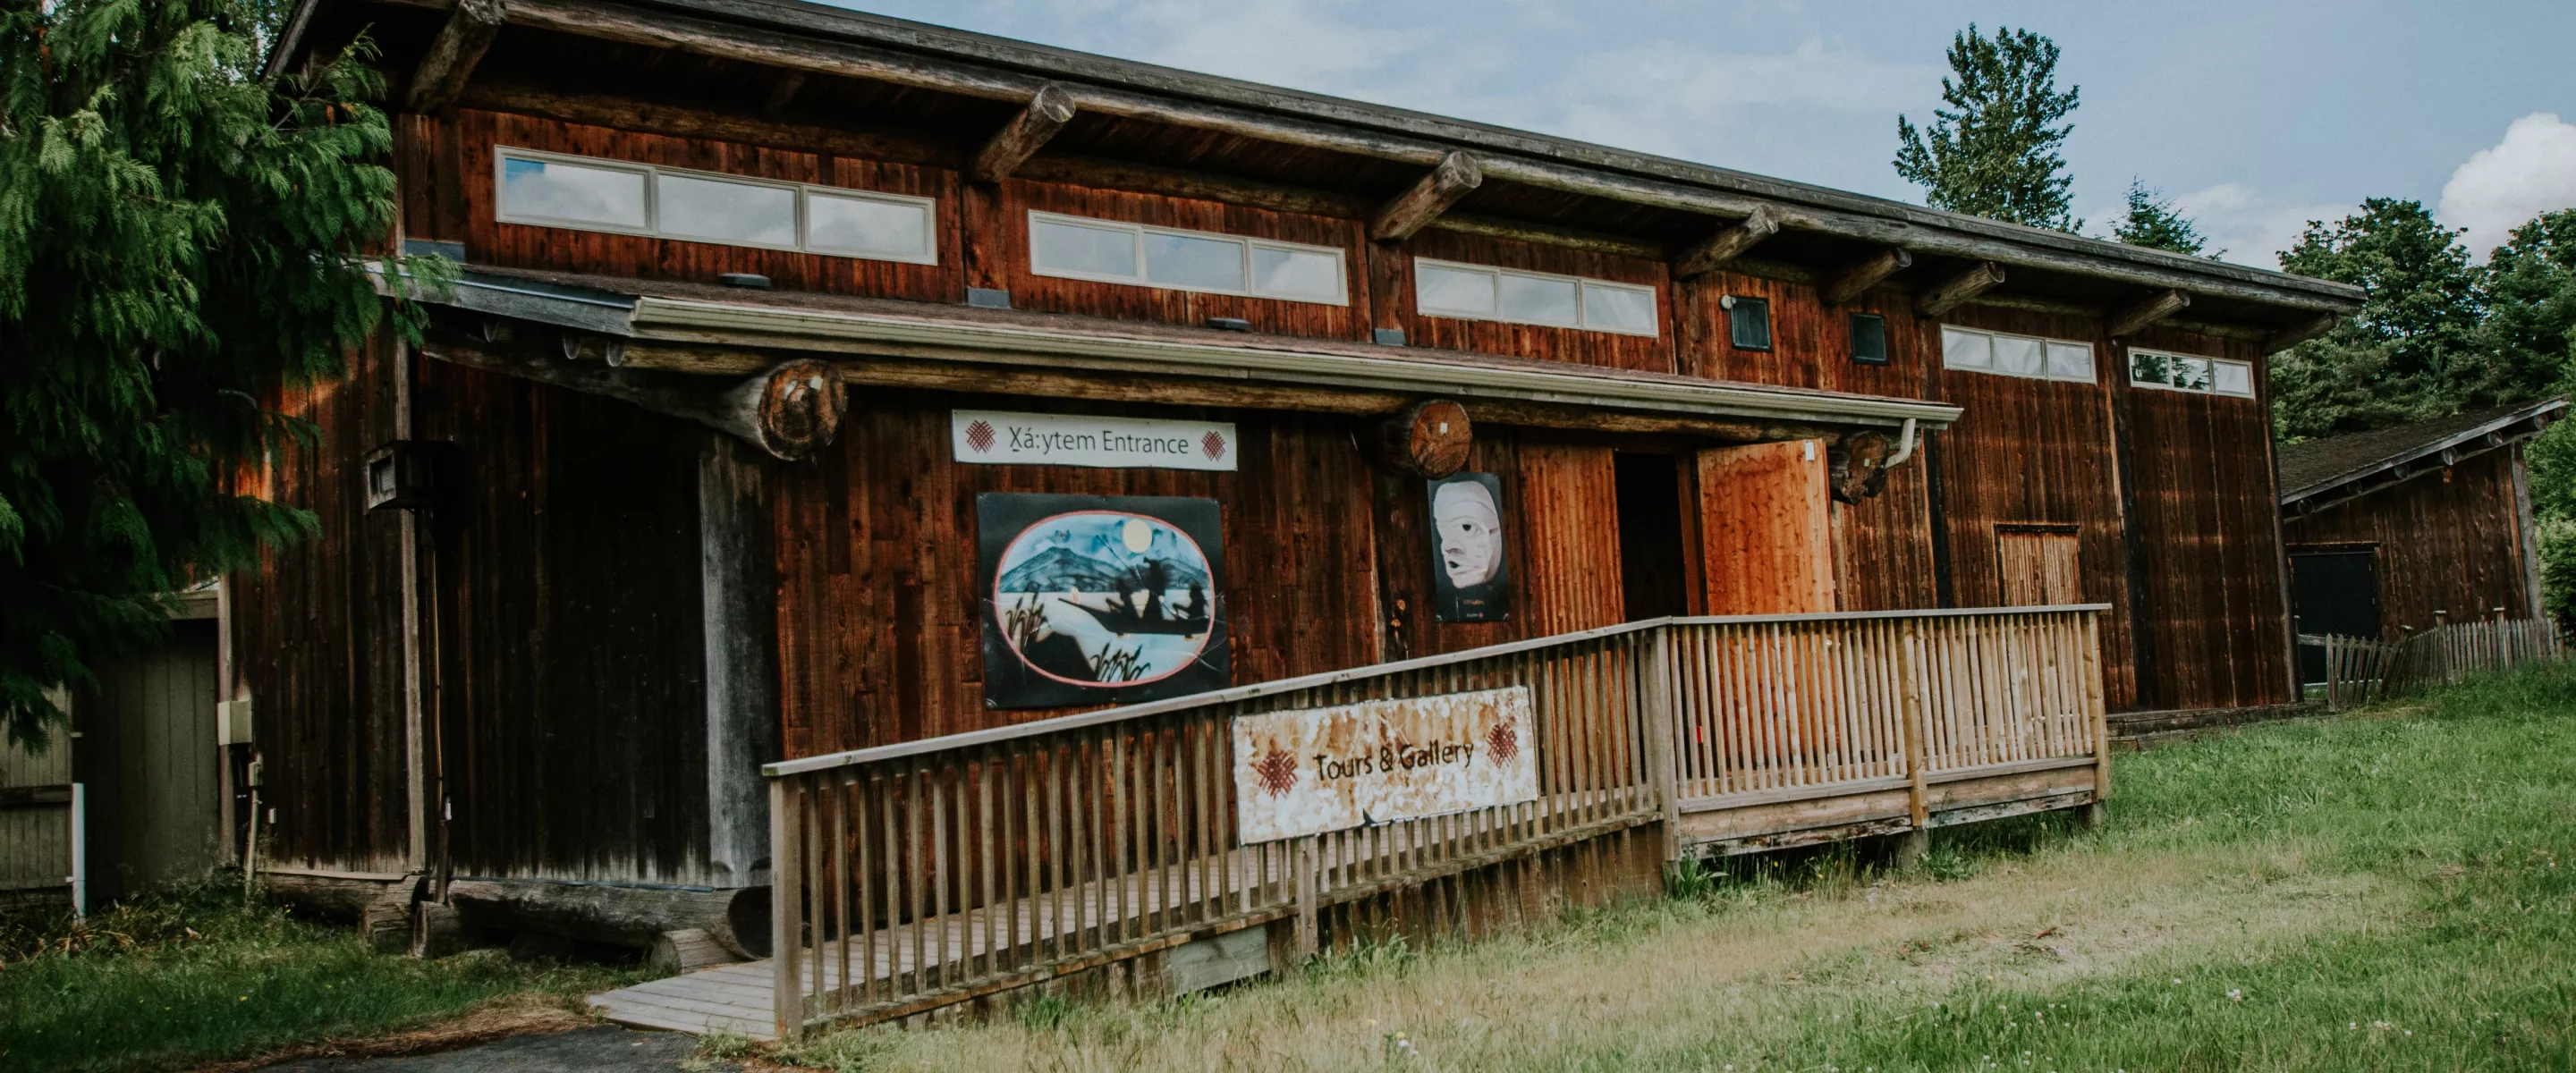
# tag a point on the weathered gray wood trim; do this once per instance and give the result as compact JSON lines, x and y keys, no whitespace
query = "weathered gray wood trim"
{"x":739,"y":594}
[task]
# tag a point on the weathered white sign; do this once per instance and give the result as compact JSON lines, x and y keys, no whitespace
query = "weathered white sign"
{"x":997,"y":438}
{"x":1326,"y":769}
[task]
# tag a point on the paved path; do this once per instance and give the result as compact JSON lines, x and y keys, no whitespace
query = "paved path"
{"x":603,"y":1049}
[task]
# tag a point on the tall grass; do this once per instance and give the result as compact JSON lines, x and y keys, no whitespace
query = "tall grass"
{"x":2393,"y":890}
{"x":193,"y":973}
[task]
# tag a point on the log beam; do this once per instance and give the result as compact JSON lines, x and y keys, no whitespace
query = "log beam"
{"x":791,"y":410}
{"x":789,"y":84}
{"x":1727,"y":244}
{"x":1955,"y":291}
{"x":2156,"y":307}
{"x":470,"y":27}
{"x":2309,"y":329}
{"x":736,"y":918}
{"x":1854,"y":281}
{"x":1412,"y":210}
{"x":1429,"y":439}
{"x":1048,"y":111}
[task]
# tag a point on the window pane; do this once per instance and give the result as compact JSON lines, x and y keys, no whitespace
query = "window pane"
{"x":2190,"y":373}
{"x":1440,"y":289}
{"x":1296,"y":273}
{"x":561,"y":191}
{"x":1066,"y":247}
{"x":1869,"y":338}
{"x":686,"y":207}
{"x":1537,"y":299}
{"x":861,"y":225}
{"x":1967,"y":350}
{"x":2016,"y":356}
{"x":1214,"y":264}
{"x":2233,"y":378}
{"x":2146,"y":368}
{"x":2070,"y":361}
{"x":1749,"y":324}
{"x":1619,"y":309}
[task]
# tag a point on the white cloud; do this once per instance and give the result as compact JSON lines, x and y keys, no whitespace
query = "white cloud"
{"x":2532,"y":171}
{"x":2252,"y":227}
{"x":1681,"y":100}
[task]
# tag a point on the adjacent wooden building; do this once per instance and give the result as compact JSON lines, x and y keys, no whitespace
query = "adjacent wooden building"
{"x":685,"y":477}
{"x":2403,"y":529}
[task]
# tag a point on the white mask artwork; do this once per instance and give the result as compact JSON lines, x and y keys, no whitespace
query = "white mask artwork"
{"x":1471,"y":533}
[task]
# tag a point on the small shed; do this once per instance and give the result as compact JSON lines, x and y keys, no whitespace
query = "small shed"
{"x":2402,"y":529}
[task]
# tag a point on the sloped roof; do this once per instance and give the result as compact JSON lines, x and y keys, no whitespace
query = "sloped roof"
{"x":2316,"y":467}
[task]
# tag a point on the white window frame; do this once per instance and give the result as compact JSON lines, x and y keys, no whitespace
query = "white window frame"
{"x":652,"y":173}
{"x":1341,"y":263}
{"x":2214,"y":363}
{"x":1654,"y":301}
{"x":2092,"y":360}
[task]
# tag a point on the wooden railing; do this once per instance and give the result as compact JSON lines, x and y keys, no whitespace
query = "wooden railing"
{"x":2360,"y":670}
{"x":918,"y":875}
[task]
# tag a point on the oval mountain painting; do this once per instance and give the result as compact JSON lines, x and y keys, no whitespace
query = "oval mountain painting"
{"x":1102,"y":603}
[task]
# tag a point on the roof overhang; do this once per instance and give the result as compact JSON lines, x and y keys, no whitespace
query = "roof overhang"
{"x":2511,"y":427}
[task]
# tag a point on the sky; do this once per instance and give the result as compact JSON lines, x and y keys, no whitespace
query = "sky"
{"x":2255,"y":116}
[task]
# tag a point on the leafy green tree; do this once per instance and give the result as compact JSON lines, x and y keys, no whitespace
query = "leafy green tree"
{"x":2152,"y":220}
{"x":2413,"y":351}
{"x":1996,"y":150}
{"x":178,"y":239}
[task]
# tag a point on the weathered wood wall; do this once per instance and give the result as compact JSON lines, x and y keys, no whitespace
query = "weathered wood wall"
{"x":148,"y":757}
{"x":2448,"y":540}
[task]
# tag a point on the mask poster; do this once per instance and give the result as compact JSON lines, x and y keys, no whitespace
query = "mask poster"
{"x":1470,"y":581}
{"x":1100,"y":599}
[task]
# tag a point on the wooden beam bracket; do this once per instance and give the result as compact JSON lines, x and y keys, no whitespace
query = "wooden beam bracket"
{"x":1411,"y":211}
{"x":791,"y":410}
{"x":452,"y":54}
{"x":2293,"y":336}
{"x":1048,"y":111}
{"x":1859,"y":278}
{"x":2156,"y":307}
{"x":1728,"y":244}
{"x":1955,"y":291}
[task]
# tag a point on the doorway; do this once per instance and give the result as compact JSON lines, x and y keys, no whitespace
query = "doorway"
{"x":2333,"y":592}
{"x":1651,"y":577}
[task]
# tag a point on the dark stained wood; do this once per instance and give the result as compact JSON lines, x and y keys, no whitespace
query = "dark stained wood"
{"x":2154,"y":308}
{"x":471,"y":25}
{"x":1955,"y":291}
{"x":1454,"y":177}
{"x":1850,"y":282}
{"x":1048,"y":111}
{"x":1729,"y":243}
{"x":1529,"y":340}
{"x":1132,"y":302}
{"x":1429,"y":439}
{"x":2449,"y":541}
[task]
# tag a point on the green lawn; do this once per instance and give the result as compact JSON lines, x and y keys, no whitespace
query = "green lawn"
{"x":193,"y":975}
{"x":2379,"y":892}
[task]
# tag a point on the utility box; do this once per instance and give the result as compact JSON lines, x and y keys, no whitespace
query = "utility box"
{"x":232,"y":722}
{"x":407,"y":475}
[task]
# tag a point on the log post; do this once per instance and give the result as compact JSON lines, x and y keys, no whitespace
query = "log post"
{"x":1861,"y":277}
{"x":1414,"y":209}
{"x":1955,"y":291}
{"x":791,"y":411}
{"x":2156,"y":307}
{"x":1429,"y":439}
{"x":452,"y":54}
{"x":1728,"y":244}
{"x":1048,"y":111}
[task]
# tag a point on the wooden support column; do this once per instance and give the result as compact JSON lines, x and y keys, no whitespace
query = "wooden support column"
{"x":1853,"y":281}
{"x":738,"y":597}
{"x":1414,"y":209}
{"x":2156,"y":307}
{"x":1955,"y":291}
{"x":1663,"y":730}
{"x":1727,"y":245}
{"x":470,"y":27}
{"x":1048,"y":111}
{"x":2293,"y":336}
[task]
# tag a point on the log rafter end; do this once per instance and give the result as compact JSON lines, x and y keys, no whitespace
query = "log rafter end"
{"x":1453,"y":178}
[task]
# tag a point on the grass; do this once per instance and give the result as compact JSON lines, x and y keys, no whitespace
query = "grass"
{"x":2394,"y":890}
{"x":192,"y":974}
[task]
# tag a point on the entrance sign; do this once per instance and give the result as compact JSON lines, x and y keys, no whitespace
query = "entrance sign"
{"x":993,"y":437}
{"x":1315,"y":770}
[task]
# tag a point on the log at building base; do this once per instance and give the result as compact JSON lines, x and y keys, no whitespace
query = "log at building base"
{"x":735,"y":919}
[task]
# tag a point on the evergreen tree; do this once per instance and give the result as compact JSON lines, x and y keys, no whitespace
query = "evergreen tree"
{"x":2153,"y":221}
{"x":2414,"y":350}
{"x":2528,"y":338}
{"x":1994,"y":151}
{"x":178,"y":239}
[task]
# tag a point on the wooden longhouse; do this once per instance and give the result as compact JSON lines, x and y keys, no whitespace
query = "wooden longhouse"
{"x":2401,"y":530}
{"x":686,"y":477}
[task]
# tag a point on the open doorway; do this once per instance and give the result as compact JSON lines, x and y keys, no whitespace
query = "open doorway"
{"x":1651,"y":575}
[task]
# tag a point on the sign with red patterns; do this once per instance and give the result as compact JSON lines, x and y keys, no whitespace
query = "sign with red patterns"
{"x":993,"y":437}
{"x":1315,"y":770}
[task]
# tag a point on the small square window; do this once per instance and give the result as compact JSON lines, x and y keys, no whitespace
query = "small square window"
{"x":1459,"y":291}
{"x":2018,"y":355}
{"x":1296,"y":274}
{"x":865,"y":226}
{"x":2232,"y":378}
{"x":1748,"y":323}
{"x":1619,"y":309}
{"x":1967,"y":350}
{"x":1080,"y":249}
{"x":1539,"y":299}
{"x":2070,"y":361}
{"x":1869,"y":338}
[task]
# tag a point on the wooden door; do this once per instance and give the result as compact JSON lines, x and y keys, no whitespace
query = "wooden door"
{"x":2038,"y":566}
{"x":1766,"y":529}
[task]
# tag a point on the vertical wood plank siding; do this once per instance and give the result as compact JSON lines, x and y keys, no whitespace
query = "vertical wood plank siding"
{"x":2449,"y":540}
{"x":319,"y":627}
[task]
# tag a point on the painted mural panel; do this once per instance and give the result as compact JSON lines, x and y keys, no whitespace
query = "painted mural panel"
{"x":1471,"y":576}
{"x":1100,"y":599}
